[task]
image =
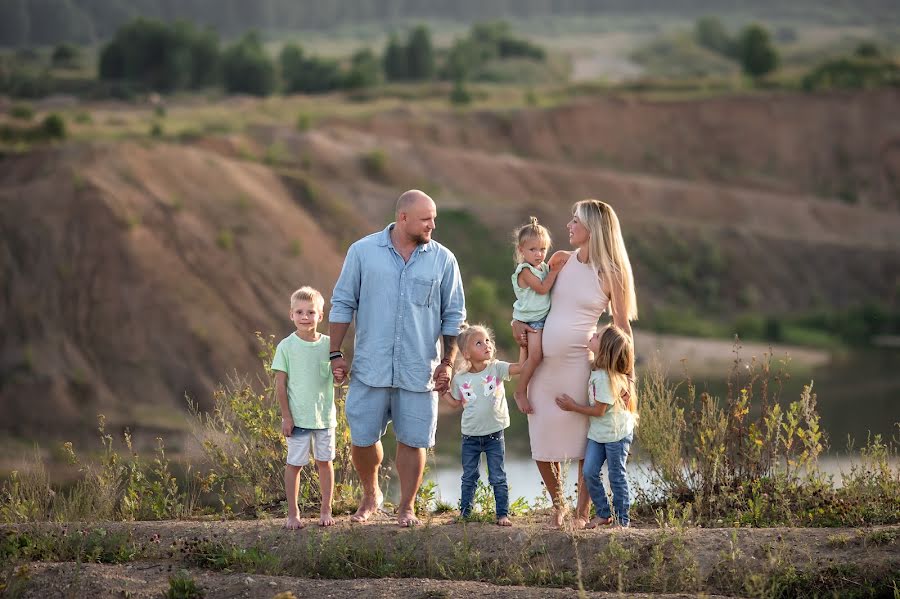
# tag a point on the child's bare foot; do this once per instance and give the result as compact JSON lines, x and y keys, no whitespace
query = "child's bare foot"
{"x":367,"y":507}
{"x":293,"y":523}
{"x":598,"y":521}
{"x":522,"y":402}
{"x":326,"y":519}
{"x":504,"y":521}
{"x":558,"y":518}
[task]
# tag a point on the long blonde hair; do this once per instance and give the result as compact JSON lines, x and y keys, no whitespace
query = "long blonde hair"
{"x":525,"y":232}
{"x":462,"y":341}
{"x":607,"y":253}
{"x":616,"y":357}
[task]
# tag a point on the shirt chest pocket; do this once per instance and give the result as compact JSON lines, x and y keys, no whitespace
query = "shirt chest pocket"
{"x":423,"y":291}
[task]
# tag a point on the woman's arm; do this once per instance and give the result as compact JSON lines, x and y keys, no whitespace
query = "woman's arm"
{"x":568,"y":404}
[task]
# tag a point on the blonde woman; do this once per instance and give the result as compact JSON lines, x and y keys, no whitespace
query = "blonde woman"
{"x":593,"y":278}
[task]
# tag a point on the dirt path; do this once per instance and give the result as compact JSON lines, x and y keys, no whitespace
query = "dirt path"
{"x":259,"y":559}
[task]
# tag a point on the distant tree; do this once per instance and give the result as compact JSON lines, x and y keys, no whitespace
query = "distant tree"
{"x":710,"y":33}
{"x":365,"y":71}
{"x":65,"y":56}
{"x":396,"y":61}
{"x":420,"y":54}
{"x":246,"y":68}
{"x":462,"y":59}
{"x":307,"y":74}
{"x":868,"y":50}
{"x":756,"y":52}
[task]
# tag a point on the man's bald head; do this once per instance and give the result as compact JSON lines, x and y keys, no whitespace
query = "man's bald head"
{"x":416,"y":213}
{"x":411,"y":198}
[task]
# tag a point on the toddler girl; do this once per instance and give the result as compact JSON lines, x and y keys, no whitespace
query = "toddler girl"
{"x":532,"y":282}
{"x":478,"y":388}
{"x":613,"y":412}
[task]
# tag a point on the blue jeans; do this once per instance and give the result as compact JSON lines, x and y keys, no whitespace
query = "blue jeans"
{"x":494,"y":448}
{"x":614,"y":454}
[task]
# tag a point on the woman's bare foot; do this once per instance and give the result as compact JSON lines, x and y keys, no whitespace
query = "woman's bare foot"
{"x":558,"y":518}
{"x":326,"y":519}
{"x":504,"y":521}
{"x":407,"y":519}
{"x":367,"y":507}
{"x":522,"y":402}
{"x":293,"y":523}
{"x":598,"y":521}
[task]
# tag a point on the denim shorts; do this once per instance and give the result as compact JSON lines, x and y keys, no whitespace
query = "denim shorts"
{"x":369,"y":409}
{"x":537,"y":324}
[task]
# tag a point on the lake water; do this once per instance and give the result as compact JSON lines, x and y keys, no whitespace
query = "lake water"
{"x":856,"y":394}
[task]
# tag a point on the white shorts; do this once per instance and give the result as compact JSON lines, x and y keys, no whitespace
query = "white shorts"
{"x":302,"y":440}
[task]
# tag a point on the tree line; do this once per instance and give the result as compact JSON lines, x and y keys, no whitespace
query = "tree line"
{"x":151,"y":55}
{"x":48,"y":22}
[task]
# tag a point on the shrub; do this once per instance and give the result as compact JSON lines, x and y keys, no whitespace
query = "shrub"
{"x":757,"y":54}
{"x":65,"y":56}
{"x":21,"y":111}
{"x":246,"y":68}
{"x":54,"y":126}
{"x":853,"y":73}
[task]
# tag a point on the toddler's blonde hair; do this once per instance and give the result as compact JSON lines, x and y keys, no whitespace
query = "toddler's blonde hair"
{"x":531,"y":230}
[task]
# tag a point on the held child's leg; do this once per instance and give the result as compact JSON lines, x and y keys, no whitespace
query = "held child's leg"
{"x":594,"y":456}
{"x":535,"y":355}
{"x":617,"y":454}
{"x":495,"y":450}
{"x":471,"y":460}
{"x":326,"y":488}
{"x":291,"y":489}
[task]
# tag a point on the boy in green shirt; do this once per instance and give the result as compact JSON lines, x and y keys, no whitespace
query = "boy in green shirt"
{"x":304,"y":388}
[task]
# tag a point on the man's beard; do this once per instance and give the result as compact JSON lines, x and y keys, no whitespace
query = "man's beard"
{"x":421,"y":239}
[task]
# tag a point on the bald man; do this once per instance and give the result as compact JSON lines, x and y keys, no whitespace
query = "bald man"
{"x":407,"y":295}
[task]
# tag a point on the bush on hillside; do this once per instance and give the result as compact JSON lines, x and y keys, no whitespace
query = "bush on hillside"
{"x":247,"y":69}
{"x":307,"y":74}
{"x":853,"y":72}
{"x":710,"y":33}
{"x":65,"y":56}
{"x":365,"y":70}
{"x":756,"y":52}
{"x":161,"y":56}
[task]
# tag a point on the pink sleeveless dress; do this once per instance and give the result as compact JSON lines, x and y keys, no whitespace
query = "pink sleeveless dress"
{"x":577,"y":301}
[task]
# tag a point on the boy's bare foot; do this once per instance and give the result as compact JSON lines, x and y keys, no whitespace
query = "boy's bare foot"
{"x":367,"y":507}
{"x":522,"y":402}
{"x":558,"y":518}
{"x":326,"y":519}
{"x":504,"y":521}
{"x":407,"y":519}
{"x":293,"y":523}
{"x":598,"y":521}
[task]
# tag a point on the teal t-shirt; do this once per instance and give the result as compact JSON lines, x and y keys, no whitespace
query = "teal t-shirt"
{"x":310,"y":384}
{"x":530,"y":305}
{"x":485,"y":411}
{"x":617,"y":423}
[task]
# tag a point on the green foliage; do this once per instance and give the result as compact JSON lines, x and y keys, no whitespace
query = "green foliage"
{"x":21,"y":111}
{"x":65,"y":56}
{"x":756,"y":52}
{"x":710,"y":33}
{"x":307,"y":74}
{"x":160,"y":56}
{"x":365,"y":70}
{"x":375,"y":164}
{"x":54,"y":126}
{"x":183,"y":586}
{"x":855,"y":72}
{"x":396,"y":60}
{"x":486,"y":42}
{"x":460,"y":95}
{"x":247,"y":69}
{"x":420,"y":54}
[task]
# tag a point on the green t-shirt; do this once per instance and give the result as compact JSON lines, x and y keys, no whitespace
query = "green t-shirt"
{"x":617,"y":422}
{"x":485,"y":411}
{"x":530,"y":305}
{"x":310,"y":385}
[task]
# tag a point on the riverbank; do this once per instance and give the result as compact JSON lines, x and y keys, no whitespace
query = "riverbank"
{"x":445,"y":559}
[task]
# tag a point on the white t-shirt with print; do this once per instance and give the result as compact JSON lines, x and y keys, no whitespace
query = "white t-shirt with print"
{"x":485,"y":411}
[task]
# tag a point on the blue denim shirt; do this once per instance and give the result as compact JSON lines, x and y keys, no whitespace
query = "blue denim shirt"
{"x":402,"y":309}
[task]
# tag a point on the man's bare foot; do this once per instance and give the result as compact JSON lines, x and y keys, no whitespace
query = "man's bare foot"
{"x":598,"y":521}
{"x":504,"y":521}
{"x":407,"y":519}
{"x":293,"y":523}
{"x":367,"y":507}
{"x":522,"y":402}
{"x":326,"y":519}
